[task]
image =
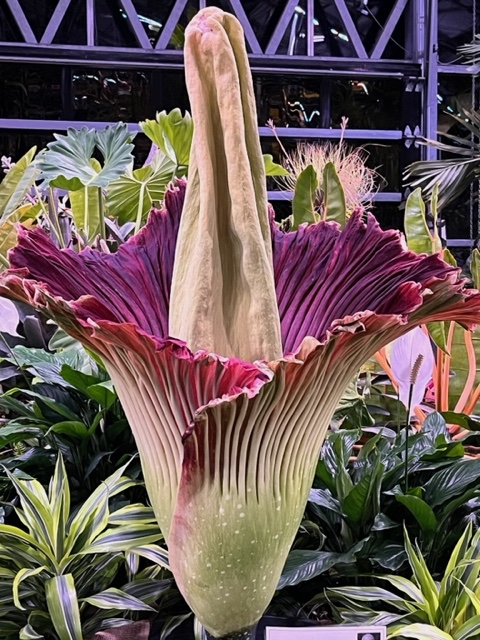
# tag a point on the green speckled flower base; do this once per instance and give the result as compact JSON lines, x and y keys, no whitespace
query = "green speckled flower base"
{"x":244,"y":634}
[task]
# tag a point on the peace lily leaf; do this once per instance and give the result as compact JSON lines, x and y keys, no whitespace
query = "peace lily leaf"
{"x":304,"y":197}
{"x":9,"y":317}
{"x":272,"y":168}
{"x":276,"y":324}
{"x":63,"y":608}
{"x":69,"y":157}
{"x":172,"y":133}
{"x":334,"y":207}
{"x":85,"y":205}
{"x":436,"y":331}
{"x":131,"y":196}
{"x":465,"y":364}
{"x":417,"y":232}
{"x":16,"y":184}
{"x":475,"y":267}
{"x":421,"y":511}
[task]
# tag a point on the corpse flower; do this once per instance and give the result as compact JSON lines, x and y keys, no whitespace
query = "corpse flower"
{"x":231,"y":342}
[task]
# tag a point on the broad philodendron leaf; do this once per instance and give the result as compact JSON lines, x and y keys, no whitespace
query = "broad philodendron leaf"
{"x":304,"y":197}
{"x":464,"y":363}
{"x":66,"y":163}
{"x":63,"y":607}
{"x":172,"y":133}
{"x":272,"y":168}
{"x":16,"y":183}
{"x":132,"y":196}
{"x":334,"y":207}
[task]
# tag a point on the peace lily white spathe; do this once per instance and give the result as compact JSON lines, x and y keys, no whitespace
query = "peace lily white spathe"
{"x":229,"y":375}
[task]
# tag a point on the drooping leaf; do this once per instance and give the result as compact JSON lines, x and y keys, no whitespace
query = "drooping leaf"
{"x":304,"y":197}
{"x":334,"y":206}
{"x":272,"y":168}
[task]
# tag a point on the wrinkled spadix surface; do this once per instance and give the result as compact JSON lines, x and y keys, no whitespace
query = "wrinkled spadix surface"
{"x":229,"y":446}
{"x":223,"y":294}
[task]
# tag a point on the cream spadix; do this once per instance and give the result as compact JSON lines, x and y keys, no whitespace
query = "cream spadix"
{"x":223,"y":294}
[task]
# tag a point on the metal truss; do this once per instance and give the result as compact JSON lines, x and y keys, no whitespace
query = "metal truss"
{"x":157,"y":48}
{"x":416,"y":62}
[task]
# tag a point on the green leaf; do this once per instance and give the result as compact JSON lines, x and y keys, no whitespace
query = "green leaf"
{"x":8,"y":233}
{"x":154,"y":553}
{"x":103,"y":393}
{"x":420,"y":632}
{"x":475,"y":268}
{"x":124,"y":538}
{"x":304,"y":565}
{"x":16,"y":183}
{"x":423,"y":577}
{"x":131,"y":197}
{"x":28,"y":633}
{"x":462,"y":420}
{"x":136,"y":513}
{"x":421,"y":511}
{"x":304,"y":197}
{"x":172,"y":133}
{"x":436,"y":331}
{"x":333,"y":196}
{"x":117,"y":599}
{"x":459,"y":363}
{"x":417,"y":232}
{"x":272,"y":168}
{"x":69,"y":156}
{"x":71,"y":428}
{"x":63,"y":607}
{"x":451,"y":481}
{"x":85,"y":206}
{"x":22,"y":575}
{"x":470,"y":629}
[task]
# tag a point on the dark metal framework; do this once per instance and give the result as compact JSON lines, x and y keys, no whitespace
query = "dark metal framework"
{"x":414,"y":61}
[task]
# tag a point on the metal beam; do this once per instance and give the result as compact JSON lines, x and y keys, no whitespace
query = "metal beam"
{"x":170,"y":24}
{"x":351,"y":28}
{"x":331,"y":134}
{"x":22,"y":22}
{"x":135,"y":24}
{"x":388,"y":29}
{"x":430,"y":111}
{"x":55,"y":21}
{"x":250,"y":36}
{"x":381,"y":196}
{"x":90,"y":23}
{"x":281,"y":27}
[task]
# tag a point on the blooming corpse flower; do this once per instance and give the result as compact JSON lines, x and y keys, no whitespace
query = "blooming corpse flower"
{"x":231,"y":342}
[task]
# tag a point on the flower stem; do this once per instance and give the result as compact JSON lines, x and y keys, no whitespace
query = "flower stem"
{"x":407,"y":425}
